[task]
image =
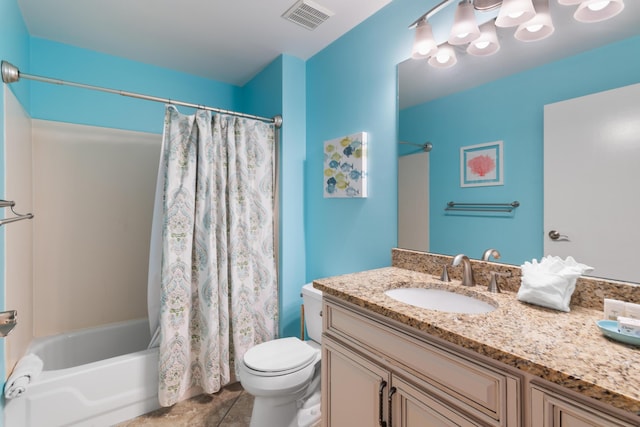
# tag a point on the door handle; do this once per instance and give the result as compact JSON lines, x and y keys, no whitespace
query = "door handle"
{"x":381,"y":422}
{"x":392,"y":391}
{"x":555,"y":235}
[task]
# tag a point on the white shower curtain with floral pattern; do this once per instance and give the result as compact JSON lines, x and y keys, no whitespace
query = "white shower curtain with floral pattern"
{"x":216,"y":285}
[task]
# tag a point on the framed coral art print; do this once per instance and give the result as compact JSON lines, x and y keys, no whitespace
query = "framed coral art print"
{"x":481,"y":165}
{"x":345,"y":166}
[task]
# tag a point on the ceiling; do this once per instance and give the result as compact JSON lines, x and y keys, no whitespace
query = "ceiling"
{"x":225,"y":40}
{"x":232,"y":40}
{"x":420,"y":82}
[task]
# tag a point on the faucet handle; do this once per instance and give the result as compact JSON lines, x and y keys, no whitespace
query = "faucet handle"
{"x":493,"y":283}
{"x":444,"y":277}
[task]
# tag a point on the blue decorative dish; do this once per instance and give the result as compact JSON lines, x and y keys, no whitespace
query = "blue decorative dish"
{"x":609,"y":329}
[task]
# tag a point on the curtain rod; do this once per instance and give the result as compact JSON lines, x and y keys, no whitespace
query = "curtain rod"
{"x":11,"y":74}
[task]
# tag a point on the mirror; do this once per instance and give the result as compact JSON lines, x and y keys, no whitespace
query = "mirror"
{"x":502,"y":98}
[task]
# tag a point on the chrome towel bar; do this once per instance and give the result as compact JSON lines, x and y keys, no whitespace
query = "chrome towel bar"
{"x":482,"y":207}
{"x":17,"y":217}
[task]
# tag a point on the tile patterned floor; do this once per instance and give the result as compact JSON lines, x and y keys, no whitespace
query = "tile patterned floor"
{"x":231,"y":407}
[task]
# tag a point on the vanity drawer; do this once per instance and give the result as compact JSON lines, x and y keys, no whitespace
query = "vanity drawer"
{"x":486,"y":393}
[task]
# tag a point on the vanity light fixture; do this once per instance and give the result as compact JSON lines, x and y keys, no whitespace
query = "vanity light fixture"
{"x":539,"y":27}
{"x":444,"y":58}
{"x":465,"y":28}
{"x":487,"y":44}
{"x":532,"y":18}
{"x":424,"y":45}
{"x":598,"y":10}
{"x":515,"y":12}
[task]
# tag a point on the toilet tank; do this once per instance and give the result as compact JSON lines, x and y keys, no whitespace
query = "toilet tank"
{"x":312,"y":300}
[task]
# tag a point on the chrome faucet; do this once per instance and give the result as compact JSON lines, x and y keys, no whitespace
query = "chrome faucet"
{"x":490,"y":253}
{"x":467,"y":271}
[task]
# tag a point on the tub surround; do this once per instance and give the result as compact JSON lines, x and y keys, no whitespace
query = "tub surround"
{"x":567,"y":349}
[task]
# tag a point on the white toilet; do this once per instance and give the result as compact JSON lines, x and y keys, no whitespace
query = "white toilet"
{"x":283,"y":375}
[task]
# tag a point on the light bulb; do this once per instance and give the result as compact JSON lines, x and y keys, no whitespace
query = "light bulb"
{"x":442,"y":57}
{"x":487,"y":43}
{"x":423,"y":49}
{"x":599,"y":5}
{"x":465,"y":28}
{"x":598,"y":10}
{"x":539,"y":27}
{"x":445,"y":58}
{"x":515,"y":12}
{"x":423,"y":45}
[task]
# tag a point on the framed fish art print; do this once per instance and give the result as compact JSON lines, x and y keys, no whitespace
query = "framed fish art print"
{"x":345,"y":167}
{"x":481,"y":165}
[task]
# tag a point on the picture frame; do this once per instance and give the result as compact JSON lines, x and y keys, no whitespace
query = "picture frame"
{"x":482,"y":165}
{"x":345,"y":167}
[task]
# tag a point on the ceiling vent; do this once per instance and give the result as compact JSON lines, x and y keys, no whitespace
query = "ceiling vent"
{"x":307,"y":14}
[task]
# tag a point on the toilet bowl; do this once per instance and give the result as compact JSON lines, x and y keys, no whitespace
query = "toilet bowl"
{"x":283,"y":375}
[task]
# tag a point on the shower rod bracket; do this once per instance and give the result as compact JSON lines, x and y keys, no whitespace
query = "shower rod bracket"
{"x":426,"y":147}
{"x":10,"y":73}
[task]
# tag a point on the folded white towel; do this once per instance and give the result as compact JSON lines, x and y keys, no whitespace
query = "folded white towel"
{"x":550,"y":282}
{"x":25,"y":371}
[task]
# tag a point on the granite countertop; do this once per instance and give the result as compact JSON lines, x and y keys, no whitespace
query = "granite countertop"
{"x":565,"y":348}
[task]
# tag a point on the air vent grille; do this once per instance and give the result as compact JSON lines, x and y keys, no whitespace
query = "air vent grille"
{"x":307,"y":14}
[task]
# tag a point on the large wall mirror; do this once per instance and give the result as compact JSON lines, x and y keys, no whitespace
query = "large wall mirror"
{"x":503,"y":98}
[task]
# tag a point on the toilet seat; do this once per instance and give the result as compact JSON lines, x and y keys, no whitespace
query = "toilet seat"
{"x":279,"y":357}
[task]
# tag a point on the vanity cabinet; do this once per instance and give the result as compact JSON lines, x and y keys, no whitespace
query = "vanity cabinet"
{"x":379,"y":372}
{"x":551,"y":409}
{"x":365,"y":393}
{"x":375,"y":374}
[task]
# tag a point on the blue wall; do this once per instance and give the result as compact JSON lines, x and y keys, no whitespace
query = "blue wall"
{"x":280,"y":89}
{"x":514,"y":115}
{"x":292,"y":237}
{"x":351,"y":87}
{"x":76,"y":105}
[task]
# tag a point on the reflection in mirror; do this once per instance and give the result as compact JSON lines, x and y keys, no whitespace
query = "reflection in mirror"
{"x":502,"y":98}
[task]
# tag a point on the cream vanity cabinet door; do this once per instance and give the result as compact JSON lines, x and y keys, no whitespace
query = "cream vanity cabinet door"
{"x":355,"y":390}
{"x":412,"y":407}
{"x":549,"y":409}
{"x":371,"y":369}
{"x":360,"y":392}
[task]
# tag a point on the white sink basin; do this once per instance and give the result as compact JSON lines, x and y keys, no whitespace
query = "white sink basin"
{"x":441,"y":300}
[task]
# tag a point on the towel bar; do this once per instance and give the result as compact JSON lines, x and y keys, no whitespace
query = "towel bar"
{"x":482,"y":207}
{"x":17,"y":217}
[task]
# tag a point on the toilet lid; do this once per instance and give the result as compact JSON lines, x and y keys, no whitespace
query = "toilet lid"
{"x":284,"y":354}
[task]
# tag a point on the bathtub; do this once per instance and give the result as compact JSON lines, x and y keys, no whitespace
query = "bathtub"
{"x":93,"y":377}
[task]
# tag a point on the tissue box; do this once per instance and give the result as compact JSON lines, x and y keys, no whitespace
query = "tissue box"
{"x":629,"y":326}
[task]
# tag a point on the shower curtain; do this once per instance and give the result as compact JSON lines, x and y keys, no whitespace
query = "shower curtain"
{"x":212,"y":271}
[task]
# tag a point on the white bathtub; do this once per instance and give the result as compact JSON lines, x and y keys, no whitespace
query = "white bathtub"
{"x":93,"y":377}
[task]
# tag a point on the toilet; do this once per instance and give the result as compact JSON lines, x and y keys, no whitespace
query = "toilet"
{"x":283,"y":375}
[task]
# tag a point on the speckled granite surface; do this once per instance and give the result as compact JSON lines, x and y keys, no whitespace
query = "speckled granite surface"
{"x":590,"y":292}
{"x":565,"y":348}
